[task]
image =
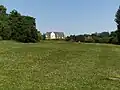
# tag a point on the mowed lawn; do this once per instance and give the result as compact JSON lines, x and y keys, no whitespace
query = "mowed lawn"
{"x":59,"y":66}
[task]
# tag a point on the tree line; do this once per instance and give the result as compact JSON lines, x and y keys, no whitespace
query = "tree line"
{"x":14,"y":26}
{"x":103,"y":37}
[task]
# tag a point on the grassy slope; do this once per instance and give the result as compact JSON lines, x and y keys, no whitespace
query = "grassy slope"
{"x":58,"y":66}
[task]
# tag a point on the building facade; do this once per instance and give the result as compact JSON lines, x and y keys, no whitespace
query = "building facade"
{"x":55,"y":35}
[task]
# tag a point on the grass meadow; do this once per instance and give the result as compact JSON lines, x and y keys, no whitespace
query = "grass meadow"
{"x":58,"y":65}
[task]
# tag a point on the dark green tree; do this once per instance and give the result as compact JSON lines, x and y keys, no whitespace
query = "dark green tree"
{"x":67,"y":38}
{"x":2,"y":9}
{"x":17,"y":27}
{"x":5,"y":31}
{"x":15,"y":23}
{"x":80,"y":38}
{"x":39,"y":35}
{"x":43,"y":37}
{"x":104,"y":34}
{"x":29,"y":31}
{"x":117,"y":20}
{"x":23,"y":28}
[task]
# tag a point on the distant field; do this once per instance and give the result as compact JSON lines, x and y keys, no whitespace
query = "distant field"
{"x":59,"y":66}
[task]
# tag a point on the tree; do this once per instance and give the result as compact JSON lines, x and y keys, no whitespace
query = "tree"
{"x":15,"y":23}
{"x":96,"y":39}
{"x":113,"y":34}
{"x":104,"y":34}
{"x":23,"y":28}
{"x":5,"y":31}
{"x":117,"y":20}
{"x":29,"y":29}
{"x":80,"y":38}
{"x":43,"y":37}
{"x":73,"y":38}
{"x":67,"y":38}
{"x":89,"y":39}
{"x":2,"y":9}
{"x":39,"y":35}
{"x":18,"y":27}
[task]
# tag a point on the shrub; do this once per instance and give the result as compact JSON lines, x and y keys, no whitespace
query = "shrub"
{"x":113,"y":40}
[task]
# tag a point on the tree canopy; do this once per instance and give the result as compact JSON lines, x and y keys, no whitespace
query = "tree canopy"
{"x":117,"y":20}
{"x":15,"y":26}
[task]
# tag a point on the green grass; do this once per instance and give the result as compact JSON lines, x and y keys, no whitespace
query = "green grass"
{"x":59,"y":66}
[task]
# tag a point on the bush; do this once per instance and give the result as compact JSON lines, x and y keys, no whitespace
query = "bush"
{"x":39,"y":36}
{"x":80,"y":38}
{"x":67,"y":38}
{"x":113,"y":40}
{"x":1,"y":38}
{"x":96,"y":39}
{"x":104,"y":40}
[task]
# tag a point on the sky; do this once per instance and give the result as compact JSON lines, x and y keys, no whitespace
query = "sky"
{"x":68,"y":16}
